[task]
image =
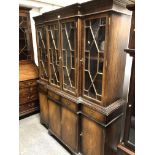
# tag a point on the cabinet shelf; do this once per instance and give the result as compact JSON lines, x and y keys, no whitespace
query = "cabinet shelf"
{"x":94,"y":58}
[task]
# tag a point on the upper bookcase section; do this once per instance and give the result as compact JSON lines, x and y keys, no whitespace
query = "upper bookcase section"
{"x":83,"y":9}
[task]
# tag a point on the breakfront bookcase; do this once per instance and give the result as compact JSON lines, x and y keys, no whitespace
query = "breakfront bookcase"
{"x":81,"y":70}
{"x":28,"y":71}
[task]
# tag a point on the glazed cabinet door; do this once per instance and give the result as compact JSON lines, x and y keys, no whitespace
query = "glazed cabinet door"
{"x":94,"y":48}
{"x":25,"y":40}
{"x":69,"y":55}
{"x":54,"y":118}
{"x":43,"y":108}
{"x":42,"y":52}
{"x":92,"y":138}
{"x":70,"y":129}
{"x":53,"y":41}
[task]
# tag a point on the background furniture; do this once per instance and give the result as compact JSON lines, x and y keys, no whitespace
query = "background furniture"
{"x":128,"y":143}
{"x":28,"y":71}
{"x":81,"y":71}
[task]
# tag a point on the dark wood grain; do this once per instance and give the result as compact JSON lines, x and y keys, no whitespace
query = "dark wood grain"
{"x":115,"y":58}
{"x":92,"y":138}
{"x":44,"y":109}
{"x":69,"y":129}
{"x":55,"y":118}
{"x":81,"y":123}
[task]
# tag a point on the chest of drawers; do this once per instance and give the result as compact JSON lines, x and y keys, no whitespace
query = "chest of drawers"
{"x":28,"y":97}
{"x":28,"y":89}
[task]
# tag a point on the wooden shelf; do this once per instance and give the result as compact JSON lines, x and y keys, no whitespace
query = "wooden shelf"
{"x":123,"y":149}
{"x":130,"y":51}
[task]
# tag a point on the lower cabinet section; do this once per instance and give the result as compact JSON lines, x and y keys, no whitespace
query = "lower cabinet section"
{"x":43,"y":108}
{"x":54,"y":118}
{"x":63,"y":123}
{"x":80,"y":127}
{"x":92,"y":138}
{"x":70,"y":129}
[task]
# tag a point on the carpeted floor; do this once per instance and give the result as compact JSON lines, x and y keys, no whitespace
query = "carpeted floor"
{"x":35,"y":140}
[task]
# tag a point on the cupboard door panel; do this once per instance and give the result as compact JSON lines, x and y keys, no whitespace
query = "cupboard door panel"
{"x":92,"y":138}
{"x":69,"y":128}
{"x":43,"y":108}
{"x":55,"y":118}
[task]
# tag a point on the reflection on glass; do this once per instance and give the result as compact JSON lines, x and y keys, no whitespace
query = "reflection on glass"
{"x":53,"y":33}
{"x":68,"y":54}
{"x":94,"y":55}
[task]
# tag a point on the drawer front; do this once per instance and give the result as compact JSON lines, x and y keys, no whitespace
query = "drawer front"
{"x":43,"y":108}
{"x":70,"y":129}
{"x":23,"y":92}
{"x":55,"y":118}
{"x":29,"y":83}
{"x":33,"y":90}
{"x":54,"y":96}
{"x":28,"y":107}
{"x":93,"y":114}
{"x":69,"y":104}
{"x":28,"y":97}
{"x":92,"y":138}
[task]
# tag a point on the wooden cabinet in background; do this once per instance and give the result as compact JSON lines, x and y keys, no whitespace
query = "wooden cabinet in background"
{"x":81,"y":65}
{"x":28,"y":71}
{"x":127,"y":145}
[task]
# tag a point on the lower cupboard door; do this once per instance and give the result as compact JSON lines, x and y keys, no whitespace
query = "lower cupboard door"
{"x":92,"y":138}
{"x":70,"y":129}
{"x":54,"y":118}
{"x":43,"y":108}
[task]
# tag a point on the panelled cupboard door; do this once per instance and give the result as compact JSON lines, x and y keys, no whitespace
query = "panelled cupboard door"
{"x":94,"y":46}
{"x":69,"y":128}
{"x":69,"y":55}
{"x":42,"y":52}
{"x":43,"y":108}
{"x":55,"y":118}
{"x":92,"y":138}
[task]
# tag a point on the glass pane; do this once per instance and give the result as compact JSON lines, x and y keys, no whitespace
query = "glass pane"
{"x":87,"y":80}
{"x":68,"y":40}
{"x":94,"y":55}
{"x":132,"y":127}
{"x":89,"y":39}
{"x":54,"y":53}
{"x":101,"y":38}
{"x":24,"y":47}
{"x":41,"y":33}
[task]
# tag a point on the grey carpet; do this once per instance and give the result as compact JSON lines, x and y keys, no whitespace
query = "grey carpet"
{"x":35,"y":140}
